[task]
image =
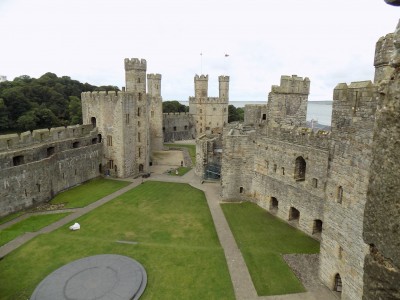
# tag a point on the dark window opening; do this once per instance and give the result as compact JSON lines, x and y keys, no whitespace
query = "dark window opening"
{"x":273,"y":204}
{"x":110,"y":164}
{"x":141,"y":168}
{"x":241,"y":189}
{"x":109,"y":140}
{"x":99,"y":138}
{"x":339,"y":196}
{"x":100,"y":169}
{"x":75,"y":145}
{"x":174,"y":128}
{"x":18,"y":160}
{"x":163,"y":129}
{"x":294,"y":214}
{"x":138,"y":111}
{"x":127,"y":118}
{"x":50,"y":151}
{"x":38,"y":187}
{"x":93,"y":121}
{"x":315,"y":182}
{"x":94,"y":141}
{"x":317,"y":227}
{"x":275,"y":167}
{"x":140,"y":96}
{"x":300,"y":169}
{"x":338,"y":283}
{"x":283,"y":171}
{"x":186,"y":127}
{"x":264,"y":116}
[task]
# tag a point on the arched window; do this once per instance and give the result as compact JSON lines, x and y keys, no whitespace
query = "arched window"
{"x":93,"y":121}
{"x":241,"y":190}
{"x":300,"y":169}
{"x":338,"y":283}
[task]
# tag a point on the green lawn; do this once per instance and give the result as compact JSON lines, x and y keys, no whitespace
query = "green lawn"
{"x":262,"y":239}
{"x":191,"y":149}
{"x":181,"y":171}
{"x":11,"y":217}
{"x":88,"y":192}
{"x":31,"y":224}
{"x":177,"y":245}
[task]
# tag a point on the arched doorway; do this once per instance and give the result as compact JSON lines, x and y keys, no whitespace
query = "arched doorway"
{"x":273,"y":205}
{"x":317,"y":226}
{"x":294,"y":215}
{"x":100,"y":169}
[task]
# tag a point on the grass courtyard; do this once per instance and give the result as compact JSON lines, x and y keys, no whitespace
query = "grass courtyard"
{"x":262,"y":239}
{"x":191,"y":149}
{"x":176,"y":243}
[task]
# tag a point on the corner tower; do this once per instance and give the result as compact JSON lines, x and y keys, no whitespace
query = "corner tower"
{"x":155,"y":110}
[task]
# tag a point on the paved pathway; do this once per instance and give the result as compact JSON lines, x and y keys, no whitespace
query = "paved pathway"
{"x":240,"y":276}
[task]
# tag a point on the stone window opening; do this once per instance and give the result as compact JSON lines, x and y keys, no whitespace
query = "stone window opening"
{"x":109,"y":140}
{"x":50,"y":151}
{"x":127,"y":118}
{"x":38,"y":187}
{"x":18,"y":160}
{"x":174,"y":128}
{"x":139,"y":152}
{"x":140,"y":96}
{"x":141,"y":168}
{"x":340,"y":252}
{"x":99,"y":138}
{"x":100,"y":169}
{"x":241,"y":190}
{"x":186,"y":127}
{"x":317,"y":227}
{"x":115,"y":168}
{"x":111,"y":164}
{"x":275,"y":168}
{"x":138,"y":137}
{"x":337,"y":287}
{"x":94,"y":141}
{"x":315,"y":182}
{"x":294,"y":215}
{"x":26,"y":193}
{"x":273,"y":204}
{"x":300,"y":169}
{"x":339,"y":195}
{"x":75,"y":145}
{"x":138,"y":111}
{"x":93,"y":121}
{"x":264,"y":116}
{"x":283,"y":171}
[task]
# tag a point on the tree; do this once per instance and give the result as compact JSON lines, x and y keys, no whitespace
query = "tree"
{"x":27,"y":121}
{"x":74,"y":110}
{"x":174,"y":106}
{"x":4,"y":122}
{"x":235,"y":114}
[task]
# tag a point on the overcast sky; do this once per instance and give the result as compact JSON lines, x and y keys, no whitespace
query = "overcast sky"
{"x":327,"y":41}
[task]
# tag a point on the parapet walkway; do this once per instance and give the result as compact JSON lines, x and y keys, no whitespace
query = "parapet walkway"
{"x":240,"y":276}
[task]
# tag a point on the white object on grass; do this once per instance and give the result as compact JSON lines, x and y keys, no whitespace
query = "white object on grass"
{"x":76,"y":226}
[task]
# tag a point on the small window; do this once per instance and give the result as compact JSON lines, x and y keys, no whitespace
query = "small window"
{"x":18,"y":160}
{"x":163,"y":129}
{"x":75,"y":145}
{"x":317,"y":226}
{"x":38,"y":187}
{"x":294,"y":214}
{"x":93,"y":121}
{"x":111,"y":164}
{"x":275,"y":168}
{"x":283,"y":171}
{"x":140,"y":96}
{"x":139,"y":152}
{"x":241,"y":190}
{"x":50,"y":151}
{"x":264,"y":116}
{"x":174,"y":128}
{"x":127,"y":118}
{"x":109,"y":140}
{"x":273,"y":204}
{"x":315,"y":182}
{"x":339,"y":195}
{"x":338,"y":284}
{"x":99,"y":138}
{"x":138,"y":123}
{"x":186,"y":127}
{"x":138,"y":137}
{"x":94,"y":141}
{"x":138,"y":111}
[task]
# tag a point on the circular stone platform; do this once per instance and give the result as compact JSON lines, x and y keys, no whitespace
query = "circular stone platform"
{"x":99,"y":277}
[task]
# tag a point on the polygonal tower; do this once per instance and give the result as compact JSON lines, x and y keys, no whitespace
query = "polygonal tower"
{"x":155,"y":110}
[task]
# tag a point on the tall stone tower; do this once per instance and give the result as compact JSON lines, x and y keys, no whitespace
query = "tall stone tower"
{"x":123,"y":122}
{"x":155,"y":110}
{"x":210,"y":114}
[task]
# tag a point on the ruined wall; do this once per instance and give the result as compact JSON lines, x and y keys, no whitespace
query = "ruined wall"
{"x":36,"y":166}
{"x":178,"y":126}
{"x":255,"y":114}
{"x":382,"y":209}
{"x":342,"y":247}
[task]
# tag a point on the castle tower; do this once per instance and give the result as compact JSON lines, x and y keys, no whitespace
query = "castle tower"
{"x":383,"y":52}
{"x":155,"y":111}
{"x":201,"y":86}
{"x":135,"y":75}
{"x":209,"y":113}
{"x":287,"y":103}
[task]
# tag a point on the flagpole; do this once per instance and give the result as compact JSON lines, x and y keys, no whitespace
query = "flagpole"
{"x":201,"y":62}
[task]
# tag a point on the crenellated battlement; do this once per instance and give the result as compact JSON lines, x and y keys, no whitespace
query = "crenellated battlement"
{"x":176,"y":114}
{"x":201,"y":77}
{"x":223,"y":78}
{"x":292,"y":85}
{"x":135,"y":64}
{"x":356,"y":91}
{"x":103,"y":95}
{"x":25,"y":139}
{"x":154,"y":76}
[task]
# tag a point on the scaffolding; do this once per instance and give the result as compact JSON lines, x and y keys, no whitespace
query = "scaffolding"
{"x":212,"y":171}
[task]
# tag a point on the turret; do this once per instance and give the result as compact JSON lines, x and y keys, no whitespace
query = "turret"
{"x":201,"y":86}
{"x":383,"y":52}
{"x":154,"y":85}
{"x":224,"y":88}
{"x":135,"y":75}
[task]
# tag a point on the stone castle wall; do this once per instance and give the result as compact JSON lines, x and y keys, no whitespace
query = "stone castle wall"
{"x":178,"y":126}
{"x":36,"y":166}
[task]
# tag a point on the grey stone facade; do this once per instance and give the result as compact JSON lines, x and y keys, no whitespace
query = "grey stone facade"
{"x":36,"y":166}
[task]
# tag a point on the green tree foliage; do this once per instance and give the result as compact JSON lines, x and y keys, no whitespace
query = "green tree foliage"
{"x":174,"y":106}
{"x":235,"y":114}
{"x":27,"y":103}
